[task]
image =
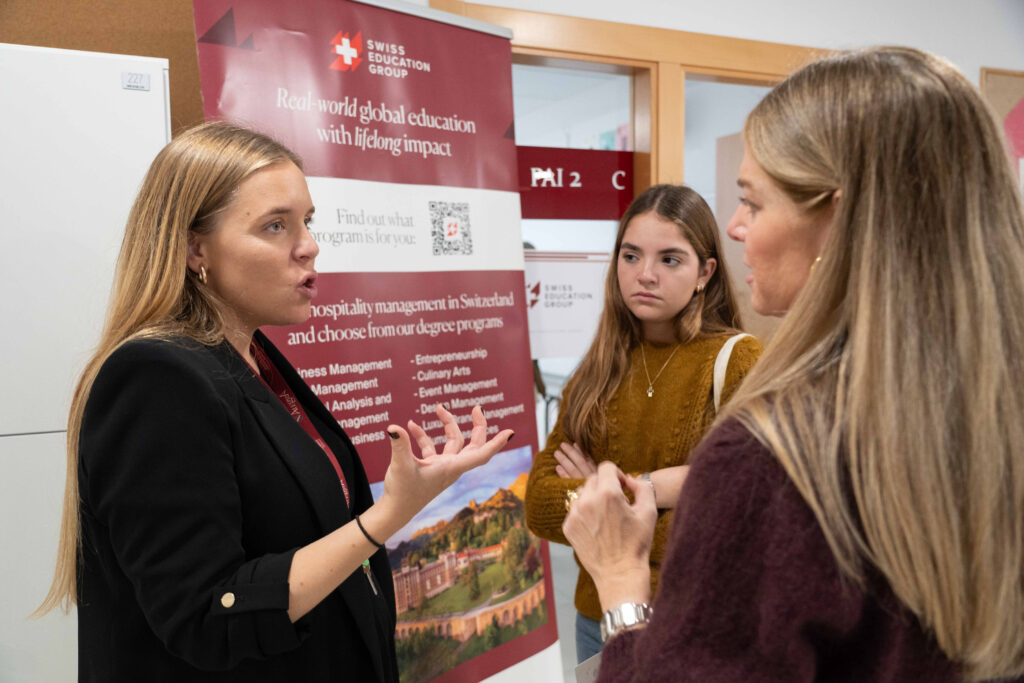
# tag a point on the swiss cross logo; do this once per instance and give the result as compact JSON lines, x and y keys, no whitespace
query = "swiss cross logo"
{"x":348,"y":50}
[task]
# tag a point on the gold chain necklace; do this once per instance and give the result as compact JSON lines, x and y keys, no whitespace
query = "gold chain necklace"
{"x":650,"y":382}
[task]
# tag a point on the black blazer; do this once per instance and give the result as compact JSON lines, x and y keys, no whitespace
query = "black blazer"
{"x":196,"y":489}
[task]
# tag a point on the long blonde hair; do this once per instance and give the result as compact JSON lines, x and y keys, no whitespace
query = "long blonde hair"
{"x":155,"y":294}
{"x":891,"y":393}
{"x":710,"y":312}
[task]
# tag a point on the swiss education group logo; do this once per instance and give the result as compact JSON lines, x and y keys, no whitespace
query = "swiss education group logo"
{"x":348,"y":51}
{"x":385,"y":57}
{"x":532,"y":294}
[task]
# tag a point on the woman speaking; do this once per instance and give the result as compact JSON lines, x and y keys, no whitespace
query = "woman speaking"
{"x":218,"y":525}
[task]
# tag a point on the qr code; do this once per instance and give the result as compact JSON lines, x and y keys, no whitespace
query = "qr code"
{"x":449,"y":228}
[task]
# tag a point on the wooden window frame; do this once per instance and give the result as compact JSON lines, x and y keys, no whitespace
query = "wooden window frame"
{"x":661,"y":58}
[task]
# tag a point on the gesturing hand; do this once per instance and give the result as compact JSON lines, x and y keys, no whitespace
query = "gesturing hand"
{"x":410,"y":482}
{"x":611,"y":537}
{"x":573,"y":463}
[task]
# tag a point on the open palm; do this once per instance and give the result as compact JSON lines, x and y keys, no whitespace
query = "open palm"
{"x":411,"y":482}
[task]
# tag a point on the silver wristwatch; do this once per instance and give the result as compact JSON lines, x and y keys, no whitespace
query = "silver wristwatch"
{"x":624,"y":618}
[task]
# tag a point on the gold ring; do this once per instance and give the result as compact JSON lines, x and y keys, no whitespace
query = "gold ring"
{"x":570,"y":497}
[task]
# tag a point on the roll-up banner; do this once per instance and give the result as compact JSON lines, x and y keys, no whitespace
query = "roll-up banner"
{"x":564,"y":297}
{"x":404,"y":125}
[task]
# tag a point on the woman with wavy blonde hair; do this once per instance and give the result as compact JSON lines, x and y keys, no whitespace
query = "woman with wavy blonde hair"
{"x":218,"y":524}
{"x":645,"y":391}
{"x":857,"y":513}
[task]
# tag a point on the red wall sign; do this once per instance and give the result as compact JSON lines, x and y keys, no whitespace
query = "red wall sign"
{"x":574,"y":183}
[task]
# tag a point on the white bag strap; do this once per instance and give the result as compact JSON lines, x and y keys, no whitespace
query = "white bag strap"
{"x":722,"y":364}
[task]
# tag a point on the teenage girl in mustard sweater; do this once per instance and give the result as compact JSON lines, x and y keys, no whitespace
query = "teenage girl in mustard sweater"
{"x":643,"y":394}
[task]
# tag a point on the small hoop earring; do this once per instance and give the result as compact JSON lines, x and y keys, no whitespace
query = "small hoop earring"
{"x":202,"y":274}
{"x":816,"y":262}
{"x":700,"y":287}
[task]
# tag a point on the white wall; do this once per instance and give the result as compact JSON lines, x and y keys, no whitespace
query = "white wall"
{"x":970,"y":34}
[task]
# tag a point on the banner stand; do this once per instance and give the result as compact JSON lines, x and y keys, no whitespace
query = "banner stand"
{"x":403,"y":118}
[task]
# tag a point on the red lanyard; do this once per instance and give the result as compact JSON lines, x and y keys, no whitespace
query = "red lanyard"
{"x":273,"y":380}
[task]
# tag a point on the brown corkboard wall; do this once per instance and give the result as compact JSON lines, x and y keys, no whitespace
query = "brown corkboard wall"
{"x":147,"y":28}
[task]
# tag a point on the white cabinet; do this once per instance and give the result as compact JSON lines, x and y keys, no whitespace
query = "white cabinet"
{"x":77,"y":133}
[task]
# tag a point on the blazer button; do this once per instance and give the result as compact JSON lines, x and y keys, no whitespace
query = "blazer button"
{"x":227,"y":600}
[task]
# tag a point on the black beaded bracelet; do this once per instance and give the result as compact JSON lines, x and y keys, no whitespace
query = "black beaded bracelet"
{"x":368,"y":536}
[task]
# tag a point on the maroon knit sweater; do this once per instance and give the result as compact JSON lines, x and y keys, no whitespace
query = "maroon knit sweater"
{"x":750,"y":591}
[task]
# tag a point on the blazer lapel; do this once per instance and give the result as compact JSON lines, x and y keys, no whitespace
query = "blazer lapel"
{"x":302,"y":456}
{"x":361,"y":498}
{"x":313,"y":471}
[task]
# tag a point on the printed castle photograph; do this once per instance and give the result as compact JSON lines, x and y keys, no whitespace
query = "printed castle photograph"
{"x":468,"y":574}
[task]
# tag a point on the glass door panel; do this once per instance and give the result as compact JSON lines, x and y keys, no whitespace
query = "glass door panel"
{"x":715,"y":112}
{"x":569,"y":105}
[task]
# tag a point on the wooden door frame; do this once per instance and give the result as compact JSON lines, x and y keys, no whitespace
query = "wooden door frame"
{"x":662,"y":58}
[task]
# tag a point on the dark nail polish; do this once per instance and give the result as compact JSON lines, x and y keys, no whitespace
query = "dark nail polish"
{"x":510,"y":437}
{"x":393,"y":435}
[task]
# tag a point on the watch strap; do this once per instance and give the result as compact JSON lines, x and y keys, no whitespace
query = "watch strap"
{"x":625,"y":617}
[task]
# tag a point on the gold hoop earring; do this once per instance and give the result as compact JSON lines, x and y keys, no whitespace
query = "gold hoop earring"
{"x":202,"y":274}
{"x":816,"y":262}
{"x":700,"y":287}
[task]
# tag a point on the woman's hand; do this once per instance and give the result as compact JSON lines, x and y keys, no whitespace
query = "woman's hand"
{"x":411,"y":482}
{"x":573,"y":463}
{"x":611,"y":537}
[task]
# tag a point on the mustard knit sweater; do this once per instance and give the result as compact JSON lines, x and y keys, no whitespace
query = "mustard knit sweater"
{"x":642,"y":434}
